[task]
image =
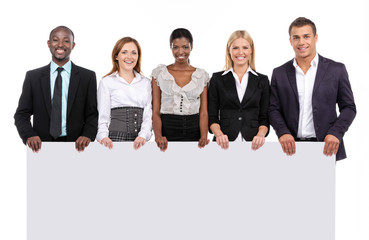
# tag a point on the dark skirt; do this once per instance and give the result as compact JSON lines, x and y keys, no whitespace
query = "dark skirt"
{"x":180,"y":127}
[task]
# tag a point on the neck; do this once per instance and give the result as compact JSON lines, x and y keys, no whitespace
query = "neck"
{"x":240,"y":69}
{"x":126,"y":75}
{"x":60,"y":63}
{"x":181,"y":65}
{"x":305,"y":62}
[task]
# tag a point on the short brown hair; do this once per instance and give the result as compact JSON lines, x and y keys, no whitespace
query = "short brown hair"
{"x":300,"y":22}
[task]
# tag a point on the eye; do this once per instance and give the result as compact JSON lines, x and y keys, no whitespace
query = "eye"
{"x":134,"y":52}
{"x":307,"y":37}
{"x":124,"y":52}
{"x":186,"y":47}
{"x":175,"y":47}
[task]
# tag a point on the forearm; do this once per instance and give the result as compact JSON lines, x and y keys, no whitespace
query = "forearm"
{"x":263,"y":130}
{"x":204,"y":120}
{"x":215,"y":128}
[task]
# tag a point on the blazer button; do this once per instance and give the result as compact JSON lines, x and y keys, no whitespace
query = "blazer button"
{"x":240,"y":118}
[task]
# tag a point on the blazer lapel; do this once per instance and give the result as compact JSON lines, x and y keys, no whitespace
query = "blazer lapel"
{"x":230,"y":85}
{"x":73,"y":86}
{"x":322,"y":68}
{"x":46,"y":89}
{"x":252,"y":85}
{"x":291,"y":74}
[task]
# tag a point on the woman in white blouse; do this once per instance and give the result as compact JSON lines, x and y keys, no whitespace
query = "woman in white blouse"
{"x":180,"y":96}
{"x":124,"y":98}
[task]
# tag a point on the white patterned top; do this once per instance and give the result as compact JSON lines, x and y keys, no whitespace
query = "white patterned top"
{"x":177,"y":100}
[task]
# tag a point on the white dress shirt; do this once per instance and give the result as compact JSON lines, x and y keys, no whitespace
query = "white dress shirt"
{"x":241,"y":89}
{"x":305,"y":86}
{"x":180,"y":100}
{"x":114,"y":92}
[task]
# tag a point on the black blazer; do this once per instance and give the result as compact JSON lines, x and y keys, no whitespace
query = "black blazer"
{"x":234,"y":116}
{"x":36,"y":100}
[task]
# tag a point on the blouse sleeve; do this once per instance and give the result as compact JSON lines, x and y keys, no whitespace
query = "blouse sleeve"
{"x":156,"y":72}
{"x":103,"y":105}
{"x":146,"y":125}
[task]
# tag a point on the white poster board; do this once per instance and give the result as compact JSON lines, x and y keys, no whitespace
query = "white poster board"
{"x":184,"y":193}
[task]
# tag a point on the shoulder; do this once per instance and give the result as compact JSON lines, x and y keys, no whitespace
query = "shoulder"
{"x":283,"y":67}
{"x":81,"y":70}
{"x":217,"y":75}
{"x":201,"y":74}
{"x":331,"y":62}
{"x":40,"y":70}
{"x":161,"y":68}
{"x":262,"y":77}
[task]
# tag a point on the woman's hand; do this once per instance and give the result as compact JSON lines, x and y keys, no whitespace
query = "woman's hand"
{"x":257,"y":142}
{"x":139,"y":142}
{"x":162,"y":143}
{"x":107,"y":142}
{"x":222,"y":141}
{"x":203,"y":142}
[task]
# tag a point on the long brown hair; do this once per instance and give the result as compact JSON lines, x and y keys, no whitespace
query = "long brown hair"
{"x":118,"y":46}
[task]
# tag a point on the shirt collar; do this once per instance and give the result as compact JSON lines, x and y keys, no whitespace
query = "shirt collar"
{"x":248,"y":70}
{"x":137,"y":76}
{"x":67,"y":67}
{"x":313,"y":63}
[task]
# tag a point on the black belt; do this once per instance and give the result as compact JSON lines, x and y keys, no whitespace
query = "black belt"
{"x":306,"y":139}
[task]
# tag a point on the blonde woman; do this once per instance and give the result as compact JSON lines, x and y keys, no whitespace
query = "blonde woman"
{"x":238,"y":97}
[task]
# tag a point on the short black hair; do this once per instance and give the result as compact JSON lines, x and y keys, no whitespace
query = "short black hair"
{"x":180,"y":32}
{"x":62,"y":27}
{"x":300,"y":22}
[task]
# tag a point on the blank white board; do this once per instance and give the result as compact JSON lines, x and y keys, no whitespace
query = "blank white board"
{"x":184,"y":193}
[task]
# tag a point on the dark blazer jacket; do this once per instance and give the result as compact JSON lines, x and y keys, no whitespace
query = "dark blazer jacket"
{"x":331,"y":87}
{"x":36,"y":100}
{"x":234,"y":116}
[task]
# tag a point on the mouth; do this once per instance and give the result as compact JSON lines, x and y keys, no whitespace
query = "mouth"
{"x":181,"y":57}
{"x":128,"y":62}
{"x":302,"y":48}
{"x":240,"y":58}
{"x":60,"y":51}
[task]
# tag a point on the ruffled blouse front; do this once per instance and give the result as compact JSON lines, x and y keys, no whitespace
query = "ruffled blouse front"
{"x":177,"y":100}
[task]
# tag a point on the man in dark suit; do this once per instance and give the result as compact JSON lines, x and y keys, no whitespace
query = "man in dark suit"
{"x":61,"y":97}
{"x":304,"y":94}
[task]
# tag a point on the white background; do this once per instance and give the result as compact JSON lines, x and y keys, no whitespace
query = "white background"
{"x":343,"y":29}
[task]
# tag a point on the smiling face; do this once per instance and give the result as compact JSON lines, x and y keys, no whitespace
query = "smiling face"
{"x":303,"y":41}
{"x":181,"y":49}
{"x":61,"y":44}
{"x":127,"y":57}
{"x":240,"y":52}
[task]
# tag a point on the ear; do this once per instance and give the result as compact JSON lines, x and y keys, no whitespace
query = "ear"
{"x":74,"y":44}
{"x":48,"y":43}
{"x":290,"y":38}
{"x":316,"y":38}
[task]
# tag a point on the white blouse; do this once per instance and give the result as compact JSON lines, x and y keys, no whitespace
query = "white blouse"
{"x":114,"y":92}
{"x":177,"y":100}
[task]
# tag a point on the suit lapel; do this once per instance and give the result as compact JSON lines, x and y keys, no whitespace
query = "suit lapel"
{"x":46,"y":89}
{"x":291,"y":74}
{"x":73,"y":86}
{"x":322,"y":68}
{"x":230,"y":85}
{"x":252,"y":85}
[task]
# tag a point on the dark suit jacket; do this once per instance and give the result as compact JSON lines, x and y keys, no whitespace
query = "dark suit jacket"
{"x":234,"y":116}
{"x":331,"y":87}
{"x":36,"y":100}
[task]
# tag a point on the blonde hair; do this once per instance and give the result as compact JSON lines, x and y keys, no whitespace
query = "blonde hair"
{"x":236,"y":35}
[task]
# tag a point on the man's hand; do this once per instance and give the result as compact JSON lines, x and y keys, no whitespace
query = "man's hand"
{"x":81,"y":143}
{"x":331,"y":145}
{"x":288,"y":144}
{"x":34,"y":143}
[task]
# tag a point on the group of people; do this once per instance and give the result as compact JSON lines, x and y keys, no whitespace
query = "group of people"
{"x":182,"y":103}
